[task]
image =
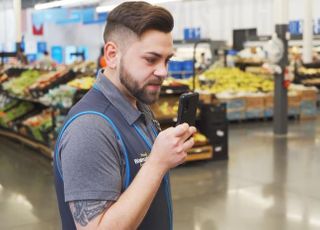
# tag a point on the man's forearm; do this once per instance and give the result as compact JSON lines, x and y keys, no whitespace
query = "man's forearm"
{"x":131,"y":207}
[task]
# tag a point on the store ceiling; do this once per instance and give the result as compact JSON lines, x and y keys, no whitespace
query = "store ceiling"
{"x":30,"y":3}
{"x":24,"y":3}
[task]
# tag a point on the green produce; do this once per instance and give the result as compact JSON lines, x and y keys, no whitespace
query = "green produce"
{"x":39,"y":125}
{"x":15,"y":112}
{"x":19,"y":85}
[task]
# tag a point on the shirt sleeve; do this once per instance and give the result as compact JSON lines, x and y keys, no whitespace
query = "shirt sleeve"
{"x":90,"y":160}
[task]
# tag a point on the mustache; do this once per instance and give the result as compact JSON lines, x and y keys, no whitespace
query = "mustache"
{"x":156,"y":81}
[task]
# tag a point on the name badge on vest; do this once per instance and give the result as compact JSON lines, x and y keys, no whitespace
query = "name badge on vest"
{"x":142,"y":159}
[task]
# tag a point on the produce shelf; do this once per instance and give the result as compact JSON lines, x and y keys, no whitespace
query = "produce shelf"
{"x":43,"y":149}
{"x":200,"y":153}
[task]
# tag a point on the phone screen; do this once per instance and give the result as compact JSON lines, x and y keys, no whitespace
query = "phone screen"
{"x":188,"y":103}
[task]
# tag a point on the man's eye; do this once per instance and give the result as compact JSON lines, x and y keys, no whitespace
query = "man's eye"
{"x":151,"y":60}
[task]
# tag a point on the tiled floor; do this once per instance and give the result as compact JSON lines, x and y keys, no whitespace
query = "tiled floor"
{"x":268,"y":183}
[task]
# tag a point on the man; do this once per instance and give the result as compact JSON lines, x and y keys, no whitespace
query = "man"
{"x":21,"y":57}
{"x":111,"y":165}
{"x":46,"y":61}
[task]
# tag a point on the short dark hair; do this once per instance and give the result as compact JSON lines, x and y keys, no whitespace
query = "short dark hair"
{"x":138,"y":17}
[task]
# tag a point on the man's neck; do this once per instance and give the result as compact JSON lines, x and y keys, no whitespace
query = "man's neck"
{"x":115,"y":79}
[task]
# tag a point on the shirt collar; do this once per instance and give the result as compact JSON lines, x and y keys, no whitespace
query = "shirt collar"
{"x":117,"y":99}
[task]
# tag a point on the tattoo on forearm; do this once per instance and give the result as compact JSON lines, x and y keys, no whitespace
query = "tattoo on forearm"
{"x":83,"y":211}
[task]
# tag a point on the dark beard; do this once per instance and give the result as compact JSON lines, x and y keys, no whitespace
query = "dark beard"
{"x":141,"y":94}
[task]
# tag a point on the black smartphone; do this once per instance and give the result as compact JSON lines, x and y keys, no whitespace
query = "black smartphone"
{"x":188,"y":103}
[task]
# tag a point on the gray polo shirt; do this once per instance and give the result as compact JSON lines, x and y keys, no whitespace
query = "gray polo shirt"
{"x":91,"y":159}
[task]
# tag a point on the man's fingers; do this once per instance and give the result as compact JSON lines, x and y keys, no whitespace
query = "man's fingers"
{"x":181,"y":129}
{"x":188,"y":144}
{"x":189,"y":133}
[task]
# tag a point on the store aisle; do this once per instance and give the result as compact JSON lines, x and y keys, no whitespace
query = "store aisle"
{"x":27,"y":198}
{"x":268,"y":183}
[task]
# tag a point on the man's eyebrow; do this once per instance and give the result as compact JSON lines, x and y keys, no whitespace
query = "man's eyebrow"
{"x":159,"y":55}
{"x":170,"y":56}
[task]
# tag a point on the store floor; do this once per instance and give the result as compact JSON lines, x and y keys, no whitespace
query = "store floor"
{"x":267,"y":183}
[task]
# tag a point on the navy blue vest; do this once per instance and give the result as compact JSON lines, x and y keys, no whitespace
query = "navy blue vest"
{"x":133,"y":142}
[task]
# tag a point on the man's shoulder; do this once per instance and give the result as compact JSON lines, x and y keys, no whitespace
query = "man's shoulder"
{"x":90,"y":122}
{"x":89,"y":128}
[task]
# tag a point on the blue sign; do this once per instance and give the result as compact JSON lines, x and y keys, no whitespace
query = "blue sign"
{"x":102,"y":17}
{"x":37,"y":19}
{"x":50,"y":15}
{"x":54,"y":15}
{"x":57,"y":54}
{"x":192,"y":34}
{"x":90,"y":16}
{"x":65,"y":16}
{"x":41,"y":47}
{"x":73,"y":16}
{"x":31,"y":57}
{"x":295,"y":27}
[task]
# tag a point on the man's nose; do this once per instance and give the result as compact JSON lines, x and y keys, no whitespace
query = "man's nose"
{"x":161,"y":71}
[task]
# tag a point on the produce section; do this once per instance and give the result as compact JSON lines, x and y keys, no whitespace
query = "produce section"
{"x":308,"y":76}
{"x":34,"y":102}
{"x":249,"y":95}
{"x":19,"y":86}
{"x":36,"y":109}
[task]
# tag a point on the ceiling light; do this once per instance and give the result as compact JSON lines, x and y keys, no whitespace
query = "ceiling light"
{"x":107,"y":8}
{"x":61,"y":3}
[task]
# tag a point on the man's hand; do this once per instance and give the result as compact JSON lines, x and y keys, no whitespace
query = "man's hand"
{"x":170,"y":148}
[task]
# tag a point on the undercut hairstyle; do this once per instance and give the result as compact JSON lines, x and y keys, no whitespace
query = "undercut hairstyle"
{"x":137,"y":18}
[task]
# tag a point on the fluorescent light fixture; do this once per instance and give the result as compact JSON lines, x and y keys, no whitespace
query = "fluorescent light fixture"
{"x":162,"y":1}
{"x":107,"y":8}
{"x":61,"y":3}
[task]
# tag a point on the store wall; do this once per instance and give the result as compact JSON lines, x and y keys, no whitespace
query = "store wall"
{"x":7,"y":22}
{"x":75,"y":34}
{"x":216,"y":18}
{"x":7,"y":25}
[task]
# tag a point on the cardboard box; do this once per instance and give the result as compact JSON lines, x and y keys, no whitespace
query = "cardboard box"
{"x":294,"y":100}
{"x":309,"y":94}
{"x":268,"y":101}
{"x":255,"y":102}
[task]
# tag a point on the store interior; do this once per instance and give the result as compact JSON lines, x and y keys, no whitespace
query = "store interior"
{"x":256,"y":67}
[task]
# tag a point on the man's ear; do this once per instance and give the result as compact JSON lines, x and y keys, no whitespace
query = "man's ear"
{"x":111,"y":54}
